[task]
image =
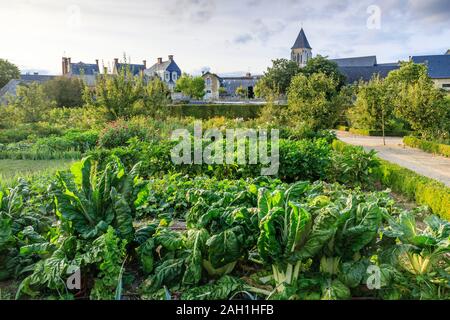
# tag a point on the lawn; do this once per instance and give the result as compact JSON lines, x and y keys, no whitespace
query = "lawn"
{"x":11,"y":169}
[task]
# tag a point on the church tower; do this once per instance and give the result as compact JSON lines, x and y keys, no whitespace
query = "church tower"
{"x":301,"y":52}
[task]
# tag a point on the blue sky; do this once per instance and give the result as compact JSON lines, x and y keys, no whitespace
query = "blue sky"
{"x":232,"y":36}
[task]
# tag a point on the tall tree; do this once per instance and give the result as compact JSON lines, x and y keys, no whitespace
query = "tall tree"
{"x":277,"y":79}
{"x":67,"y":92}
{"x":8,"y":71}
{"x":193,"y":87}
{"x":315,"y":101}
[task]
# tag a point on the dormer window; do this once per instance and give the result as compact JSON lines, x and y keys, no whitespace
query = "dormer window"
{"x":174,"y":76}
{"x":208,"y":82}
{"x":167,"y":76}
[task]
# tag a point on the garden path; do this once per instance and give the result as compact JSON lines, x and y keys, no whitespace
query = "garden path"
{"x":426,"y":164}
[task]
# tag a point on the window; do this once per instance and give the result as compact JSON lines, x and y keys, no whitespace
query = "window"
{"x":208,"y":91}
{"x":208,"y":82}
{"x":167,"y":76}
{"x":174,"y":76}
{"x":446,"y":85}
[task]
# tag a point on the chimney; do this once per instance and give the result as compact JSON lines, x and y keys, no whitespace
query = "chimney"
{"x":64,"y":66}
{"x":171,"y":57}
{"x":145,"y":64}
{"x":248,"y":75}
{"x":116,"y":61}
{"x":159,"y":60}
{"x":96,"y":62}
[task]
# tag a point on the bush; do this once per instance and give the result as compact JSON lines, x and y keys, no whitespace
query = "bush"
{"x":428,"y":146}
{"x":72,"y":140}
{"x":422,"y":190}
{"x":352,"y":166}
{"x":208,"y":111}
{"x":28,"y":132}
{"x":378,"y":133}
{"x":117,"y":134}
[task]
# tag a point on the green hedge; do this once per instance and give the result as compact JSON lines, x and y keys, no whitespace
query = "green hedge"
{"x":422,"y":190}
{"x":378,"y":133}
{"x":207,"y":111}
{"x":428,"y":146}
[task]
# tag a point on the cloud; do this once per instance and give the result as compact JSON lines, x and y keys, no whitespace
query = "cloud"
{"x":243,"y":38}
{"x":198,"y":11}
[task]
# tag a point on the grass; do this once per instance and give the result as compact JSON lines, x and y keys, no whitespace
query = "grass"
{"x":11,"y":170}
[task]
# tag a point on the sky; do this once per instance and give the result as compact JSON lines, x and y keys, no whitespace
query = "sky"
{"x":223,"y":36}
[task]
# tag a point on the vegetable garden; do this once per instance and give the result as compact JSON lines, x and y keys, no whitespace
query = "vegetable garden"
{"x":132,"y":225}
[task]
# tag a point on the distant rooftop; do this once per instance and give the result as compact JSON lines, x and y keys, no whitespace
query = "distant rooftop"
{"x":438,"y":65}
{"x":368,"y":61}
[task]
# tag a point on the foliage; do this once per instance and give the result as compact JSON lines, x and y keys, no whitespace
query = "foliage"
{"x":190,"y":86}
{"x":241,"y":92}
{"x":31,"y":104}
{"x":373,"y":106}
{"x":126,"y":95}
{"x":117,"y":134}
{"x":89,"y":203}
{"x":8,"y":71}
{"x":315,"y":100}
{"x":353,"y":166}
{"x":428,"y":146}
{"x":277,"y":79}
{"x":65,"y":91}
{"x":113,"y":253}
{"x":323,"y":65}
{"x":418,"y":101}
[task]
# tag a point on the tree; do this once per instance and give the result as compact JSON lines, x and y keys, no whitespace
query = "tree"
{"x":373,"y":106}
{"x":67,"y":92}
{"x":315,"y":101}
{"x":193,"y":87}
{"x":321,"y":64}
{"x":120,"y":96}
{"x":8,"y":71}
{"x":418,"y":101}
{"x":277,"y":79}
{"x":241,"y":92}
{"x":31,"y":103}
{"x":156,"y":98}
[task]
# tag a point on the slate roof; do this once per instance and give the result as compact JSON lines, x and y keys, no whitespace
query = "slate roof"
{"x":86,"y":69}
{"x":232,"y":83}
{"x":36,"y":77}
{"x":354,"y":74}
{"x":301,"y":42}
{"x":11,"y":87}
{"x":159,"y":67}
{"x":438,"y":65}
{"x":368,"y":61}
{"x":135,"y":68}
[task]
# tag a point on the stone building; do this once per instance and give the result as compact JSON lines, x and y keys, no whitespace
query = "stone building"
{"x":212,"y":86}
{"x":168,"y":71}
{"x":86,"y":71}
{"x":301,"y":51}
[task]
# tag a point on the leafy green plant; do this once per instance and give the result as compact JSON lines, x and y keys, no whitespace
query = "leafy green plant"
{"x":89,"y":202}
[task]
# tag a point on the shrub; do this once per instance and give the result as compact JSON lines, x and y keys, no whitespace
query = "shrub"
{"x":352,"y":166}
{"x":72,"y":140}
{"x":428,"y":146}
{"x":117,"y":134}
{"x":422,"y":190}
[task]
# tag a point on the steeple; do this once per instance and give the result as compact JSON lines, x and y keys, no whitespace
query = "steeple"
{"x":301,"y":51}
{"x":302,"y":41}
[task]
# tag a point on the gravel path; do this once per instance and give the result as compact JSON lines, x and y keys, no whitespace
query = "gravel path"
{"x":426,"y":164}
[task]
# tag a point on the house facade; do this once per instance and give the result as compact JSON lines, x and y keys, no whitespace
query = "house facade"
{"x":168,"y":71}
{"x":212,"y":86}
{"x":10,"y":89}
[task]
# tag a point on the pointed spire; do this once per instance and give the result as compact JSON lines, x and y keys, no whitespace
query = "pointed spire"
{"x":302,"y":41}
